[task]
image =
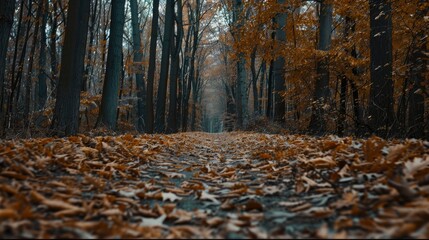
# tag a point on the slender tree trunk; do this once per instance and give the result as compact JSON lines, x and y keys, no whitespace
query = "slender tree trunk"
{"x":322,"y":92}
{"x":343,"y":104}
{"x":241,"y":89}
{"x":418,"y":70}
{"x":152,"y":65}
{"x":262,"y":83}
{"x":29,"y":82}
{"x":87,"y":75}
{"x":165,"y":64}
{"x":53,"y":49}
{"x":174,"y":72}
{"x":42,"y":86}
{"x":278,"y":68}
{"x":66,"y":113}
{"x":254,"y":81}
{"x":19,"y":35}
{"x":6,"y":22}
{"x":183,"y":78}
{"x":187,"y":93}
{"x":381,"y":93}
{"x":16,"y":86}
{"x":269,"y":112}
{"x":138,"y":58}
{"x":109,"y":99}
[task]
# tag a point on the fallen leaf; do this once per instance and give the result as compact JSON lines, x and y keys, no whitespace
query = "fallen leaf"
{"x":170,"y":197}
{"x":153,"y":222}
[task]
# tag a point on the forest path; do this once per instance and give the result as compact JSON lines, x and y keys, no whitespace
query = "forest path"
{"x":226,"y":185}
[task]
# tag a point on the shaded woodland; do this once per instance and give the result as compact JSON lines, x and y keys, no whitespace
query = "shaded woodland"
{"x":319,"y":67}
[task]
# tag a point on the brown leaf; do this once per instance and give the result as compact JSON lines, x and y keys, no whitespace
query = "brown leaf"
{"x":252,"y":204}
{"x":8,"y":213}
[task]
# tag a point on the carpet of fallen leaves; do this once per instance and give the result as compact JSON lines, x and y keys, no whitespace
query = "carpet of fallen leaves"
{"x":199,"y":185}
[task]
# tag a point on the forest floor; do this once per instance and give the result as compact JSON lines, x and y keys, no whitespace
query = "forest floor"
{"x":200,"y":185}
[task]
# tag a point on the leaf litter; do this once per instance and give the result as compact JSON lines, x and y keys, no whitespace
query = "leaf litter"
{"x":199,"y":185}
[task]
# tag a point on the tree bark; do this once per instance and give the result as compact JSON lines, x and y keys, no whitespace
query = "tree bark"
{"x":381,"y":116}
{"x":278,"y":68}
{"x":418,"y":68}
{"x":322,"y":92}
{"x":6,"y":22}
{"x":174,"y":72}
{"x":109,"y":99}
{"x":165,"y":63}
{"x":138,"y":58}
{"x":152,"y":65}
{"x":66,"y":113}
{"x":42,"y":86}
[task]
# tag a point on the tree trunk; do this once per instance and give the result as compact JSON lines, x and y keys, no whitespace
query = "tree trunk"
{"x":6,"y":22}
{"x":416,"y":103}
{"x":152,"y":65}
{"x":53,"y":49}
{"x":165,"y":63}
{"x":278,"y":68}
{"x":87,"y":75}
{"x":138,"y":58}
{"x":109,"y":99}
{"x":254,"y":81}
{"x":381,"y":116}
{"x":66,"y":113}
{"x":29,"y":82}
{"x":195,"y":19}
{"x":42,"y":86}
{"x":174,"y":72}
{"x":322,"y":92}
{"x":241,"y":92}
{"x":343,"y":104}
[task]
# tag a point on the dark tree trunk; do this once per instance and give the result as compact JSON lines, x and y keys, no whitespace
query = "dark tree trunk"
{"x":261,"y":86}
{"x":241,"y":82}
{"x":278,"y":68}
{"x":42,"y":86}
{"x":174,"y":72}
{"x":165,"y":64}
{"x":152,"y":65}
{"x":184,"y":79}
{"x":16,"y":83}
{"x":254,"y":81}
{"x":322,"y":92}
{"x":381,"y":94}
{"x":416,"y":103}
{"x":138,"y":58}
{"x":19,"y":35}
{"x":66,"y":113}
{"x":343,"y":104}
{"x":89,"y":64}
{"x":109,"y":99}
{"x":269,"y":112}
{"x":6,"y":22}
{"x":187,"y":93}
{"x":53,"y":48}
{"x":29,"y":82}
